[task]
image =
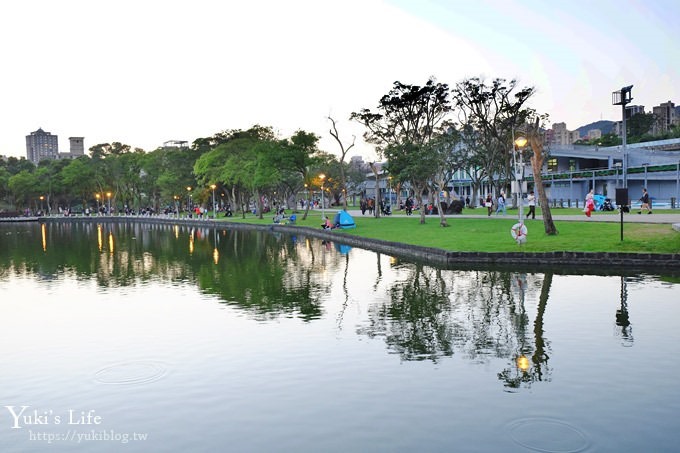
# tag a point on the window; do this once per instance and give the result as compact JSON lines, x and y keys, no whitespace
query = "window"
{"x":552,"y":164}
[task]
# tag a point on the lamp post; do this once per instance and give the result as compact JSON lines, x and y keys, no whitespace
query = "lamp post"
{"x":189,"y":203}
{"x":389,"y":192}
{"x":176,"y":198}
{"x":108,"y":195}
{"x":213,"y":186}
{"x":646,"y":164}
{"x":623,"y":97}
{"x":42,"y":197}
{"x":519,"y":142}
{"x":97,"y":196}
{"x":322,"y":177}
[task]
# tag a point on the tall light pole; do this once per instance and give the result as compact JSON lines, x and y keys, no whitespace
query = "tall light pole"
{"x":176,"y":198}
{"x":97,"y":196}
{"x":322,"y":177}
{"x":623,"y":97}
{"x":389,"y":194}
{"x":108,"y":195}
{"x":189,"y":203}
{"x":519,"y":143}
{"x":42,"y":197}
{"x":213,"y":186}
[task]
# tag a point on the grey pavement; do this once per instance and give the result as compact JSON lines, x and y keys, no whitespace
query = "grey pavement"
{"x":659,"y":216}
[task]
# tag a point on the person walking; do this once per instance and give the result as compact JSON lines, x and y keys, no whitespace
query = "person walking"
{"x":644,"y":199}
{"x":531,"y":201}
{"x":489,"y":204}
{"x":590,"y":203}
{"x":501,"y":204}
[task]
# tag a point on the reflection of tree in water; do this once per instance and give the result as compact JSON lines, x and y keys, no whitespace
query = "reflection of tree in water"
{"x":265,"y":274}
{"x":479,"y":314}
{"x":530,"y":363}
{"x":416,"y":322}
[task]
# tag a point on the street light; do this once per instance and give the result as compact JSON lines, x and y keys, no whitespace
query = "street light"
{"x":176,"y":198}
{"x":212,"y":186}
{"x":189,"y":203}
{"x":42,"y":197}
{"x":519,"y":231}
{"x":108,"y":195}
{"x":97,"y":196}
{"x":389,"y":194}
{"x":322,"y":177}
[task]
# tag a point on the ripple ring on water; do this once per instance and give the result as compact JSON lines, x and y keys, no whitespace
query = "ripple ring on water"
{"x":131,"y":373}
{"x":548,"y":435}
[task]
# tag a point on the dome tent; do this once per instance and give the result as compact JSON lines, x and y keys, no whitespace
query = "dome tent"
{"x":344,"y":220}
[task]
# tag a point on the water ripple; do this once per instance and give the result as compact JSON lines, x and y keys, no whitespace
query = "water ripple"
{"x":547,"y":435}
{"x":131,"y":373}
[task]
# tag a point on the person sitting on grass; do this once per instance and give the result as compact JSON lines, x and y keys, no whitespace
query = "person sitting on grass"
{"x":327,"y":225}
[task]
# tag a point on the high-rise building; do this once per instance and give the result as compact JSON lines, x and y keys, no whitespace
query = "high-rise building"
{"x":665,"y":117}
{"x":41,"y":145}
{"x":77,"y":146}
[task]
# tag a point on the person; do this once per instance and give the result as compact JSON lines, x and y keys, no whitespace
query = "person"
{"x":327,"y":225}
{"x":531,"y":201}
{"x":501,"y":204}
{"x":644,"y":199}
{"x":489,"y":204}
{"x":590,"y":203}
{"x":467,"y":201}
{"x":409,"y":206}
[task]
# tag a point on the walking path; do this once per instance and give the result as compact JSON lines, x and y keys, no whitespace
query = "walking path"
{"x":613,"y":217}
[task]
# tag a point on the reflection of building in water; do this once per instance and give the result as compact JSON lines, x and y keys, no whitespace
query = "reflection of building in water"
{"x":622,"y":319}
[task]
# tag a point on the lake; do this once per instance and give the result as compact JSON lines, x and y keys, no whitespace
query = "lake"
{"x":146,"y":337}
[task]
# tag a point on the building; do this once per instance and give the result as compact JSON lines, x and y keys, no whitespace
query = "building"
{"x":559,"y":135}
{"x":41,"y":145}
{"x":665,"y":117}
{"x":77,"y":146}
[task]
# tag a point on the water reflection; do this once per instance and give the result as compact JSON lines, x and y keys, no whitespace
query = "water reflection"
{"x":422,"y":313}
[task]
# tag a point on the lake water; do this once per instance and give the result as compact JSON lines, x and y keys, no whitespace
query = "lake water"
{"x":141,"y":337}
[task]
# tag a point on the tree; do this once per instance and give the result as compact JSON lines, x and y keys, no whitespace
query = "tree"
{"x":488,"y":114}
{"x":640,"y":124}
{"x":408,"y":119}
{"x":24,"y":188}
{"x":343,"y":152}
{"x":535,"y":138}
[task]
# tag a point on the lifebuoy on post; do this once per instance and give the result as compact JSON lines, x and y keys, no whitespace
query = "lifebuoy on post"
{"x":519,"y":233}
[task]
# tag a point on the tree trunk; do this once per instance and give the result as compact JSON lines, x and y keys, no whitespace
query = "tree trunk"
{"x":537,"y":166}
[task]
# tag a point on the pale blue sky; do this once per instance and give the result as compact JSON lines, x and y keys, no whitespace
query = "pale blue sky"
{"x":142,"y":72}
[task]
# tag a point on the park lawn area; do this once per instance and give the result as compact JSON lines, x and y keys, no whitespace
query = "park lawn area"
{"x":493,"y":234}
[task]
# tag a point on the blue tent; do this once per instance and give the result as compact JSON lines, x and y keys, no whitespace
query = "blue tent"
{"x":344,"y":220}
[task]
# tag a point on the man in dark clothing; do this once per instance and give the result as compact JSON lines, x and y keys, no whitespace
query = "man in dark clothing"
{"x":645,"y":202}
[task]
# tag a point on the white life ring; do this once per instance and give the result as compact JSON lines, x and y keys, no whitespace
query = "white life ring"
{"x":519,"y":233}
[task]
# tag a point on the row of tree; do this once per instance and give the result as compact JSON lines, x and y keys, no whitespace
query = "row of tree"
{"x":425,"y":133}
{"x":244,"y":166}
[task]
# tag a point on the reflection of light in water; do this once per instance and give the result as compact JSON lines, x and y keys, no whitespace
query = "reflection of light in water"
{"x":216,"y":253}
{"x":191,"y":241}
{"x":111,"y":243}
{"x":176,"y":228}
{"x":99,"y":237}
{"x":523,"y":363}
{"x":43,"y":231}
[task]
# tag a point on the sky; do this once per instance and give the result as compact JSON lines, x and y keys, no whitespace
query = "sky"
{"x":143,"y":72}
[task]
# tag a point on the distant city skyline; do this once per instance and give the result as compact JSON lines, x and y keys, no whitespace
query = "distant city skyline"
{"x":143,"y":73}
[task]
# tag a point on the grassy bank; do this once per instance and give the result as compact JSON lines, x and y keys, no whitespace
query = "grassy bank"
{"x":493,"y":234}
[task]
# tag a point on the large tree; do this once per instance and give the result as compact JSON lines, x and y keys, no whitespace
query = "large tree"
{"x":408,"y":117}
{"x":488,"y":114}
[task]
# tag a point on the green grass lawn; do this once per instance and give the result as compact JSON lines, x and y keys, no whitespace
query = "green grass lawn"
{"x":493,"y":234}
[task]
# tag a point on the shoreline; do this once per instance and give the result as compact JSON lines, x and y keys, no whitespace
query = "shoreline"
{"x":593,"y":262}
